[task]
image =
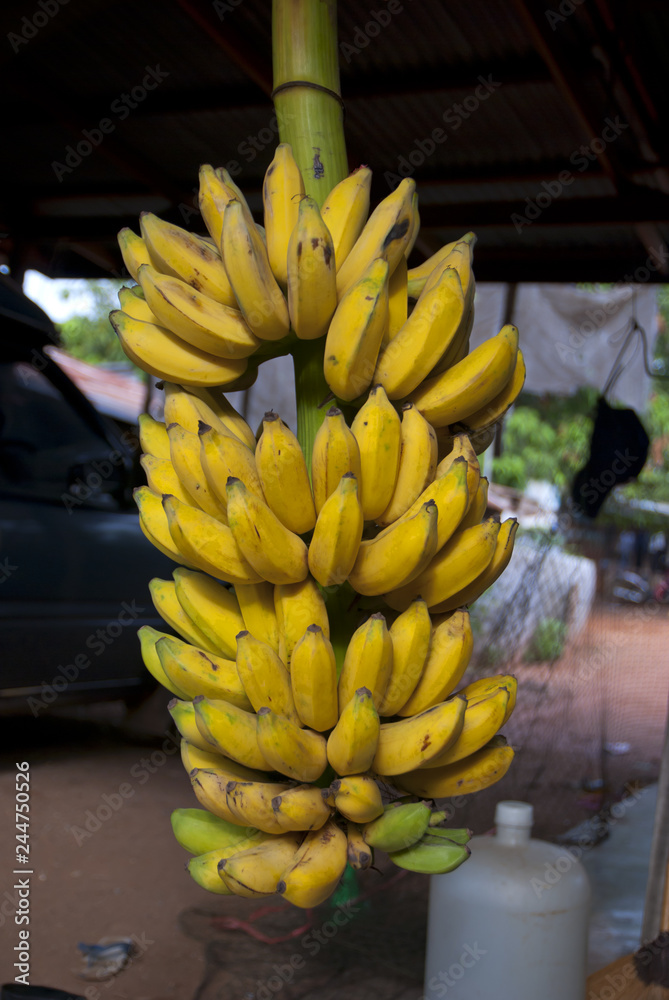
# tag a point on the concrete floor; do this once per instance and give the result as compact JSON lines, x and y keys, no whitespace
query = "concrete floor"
{"x":618,"y":872}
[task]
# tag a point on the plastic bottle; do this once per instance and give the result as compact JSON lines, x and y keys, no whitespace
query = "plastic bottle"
{"x":512,"y":922}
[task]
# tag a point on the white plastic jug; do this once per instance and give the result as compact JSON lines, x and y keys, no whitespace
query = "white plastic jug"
{"x":512,"y":922}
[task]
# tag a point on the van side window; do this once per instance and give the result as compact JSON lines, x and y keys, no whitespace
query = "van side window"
{"x":41,"y":436}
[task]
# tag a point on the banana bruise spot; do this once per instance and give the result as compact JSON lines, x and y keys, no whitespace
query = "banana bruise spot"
{"x":396,"y":233}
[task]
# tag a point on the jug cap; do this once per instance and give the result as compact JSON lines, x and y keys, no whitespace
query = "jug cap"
{"x":511,"y":813}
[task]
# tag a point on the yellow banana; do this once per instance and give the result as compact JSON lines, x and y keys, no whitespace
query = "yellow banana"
{"x":500,"y":560}
{"x":209,"y":786}
{"x":282,"y":192}
{"x":336,"y":539}
{"x":185,"y":454}
{"x":246,"y":262}
{"x":227,"y":414}
{"x":484,"y":686}
{"x":256,"y":871}
{"x":230,"y":730}
{"x":451,"y":495}
{"x":135,"y":304}
{"x":398,"y":302}
{"x":183,"y":716}
{"x":377,"y":429}
{"x":182,"y":406}
{"x":163,"y":595}
{"x":297,"y":753}
{"x":462,"y":448}
{"x":161,"y":477}
{"x":478,"y":506}
{"x":212,"y":607}
{"x":410,"y":635}
{"x":471,"y":774}
{"x":412,"y":354}
{"x":180,"y":254}
{"x":256,"y":603}
{"x":154,"y":524}
{"x":283,"y":474}
{"x":213,"y":198}
{"x":298,"y":605}
{"x":302,"y":807}
{"x":192,"y":757}
{"x":312,"y":281}
{"x":418,"y":275}
{"x":196,"y":672}
{"x":230,"y":770}
{"x":317,"y":866}
{"x":360,"y":855}
{"x":353,"y":742}
{"x":148,"y":639}
{"x":383,"y":564}
{"x":236,"y":192}
{"x":414,"y":228}
{"x":417,"y":466}
{"x":159,"y":352}
{"x":275,"y":553}
{"x":197,"y":319}
{"x":358,"y":798}
{"x":133,"y":250}
{"x":403,"y":746}
{"x":153,"y":437}
{"x":313,"y":677}
{"x":207,"y":544}
{"x":498,"y":406}
{"x":345,"y":211}
{"x":204,"y":870}
{"x":355,"y":333}
{"x":386,"y":234}
{"x":482,"y":720}
{"x":462,"y":559}
{"x":335,"y":453}
{"x":471,"y":383}
{"x":224,"y":455}
{"x":460,"y":258}
{"x":264,"y":676}
{"x":450,"y":649}
{"x":368,"y":662}
{"x":251,"y":803}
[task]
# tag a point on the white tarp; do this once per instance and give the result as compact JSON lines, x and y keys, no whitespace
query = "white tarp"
{"x":570,"y":338}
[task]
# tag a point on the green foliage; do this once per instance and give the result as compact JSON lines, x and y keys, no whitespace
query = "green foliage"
{"x":91,"y":337}
{"x":548,"y":641}
{"x":543,"y":439}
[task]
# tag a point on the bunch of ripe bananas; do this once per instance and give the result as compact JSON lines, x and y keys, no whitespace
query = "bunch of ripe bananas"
{"x":313,"y":731}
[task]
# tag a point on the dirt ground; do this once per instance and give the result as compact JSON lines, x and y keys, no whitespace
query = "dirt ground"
{"x":105,"y":865}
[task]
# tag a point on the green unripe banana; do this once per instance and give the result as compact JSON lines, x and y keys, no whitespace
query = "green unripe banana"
{"x":398,"y":827}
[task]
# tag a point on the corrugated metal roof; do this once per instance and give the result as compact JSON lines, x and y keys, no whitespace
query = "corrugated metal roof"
{"x":418,"y":72}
